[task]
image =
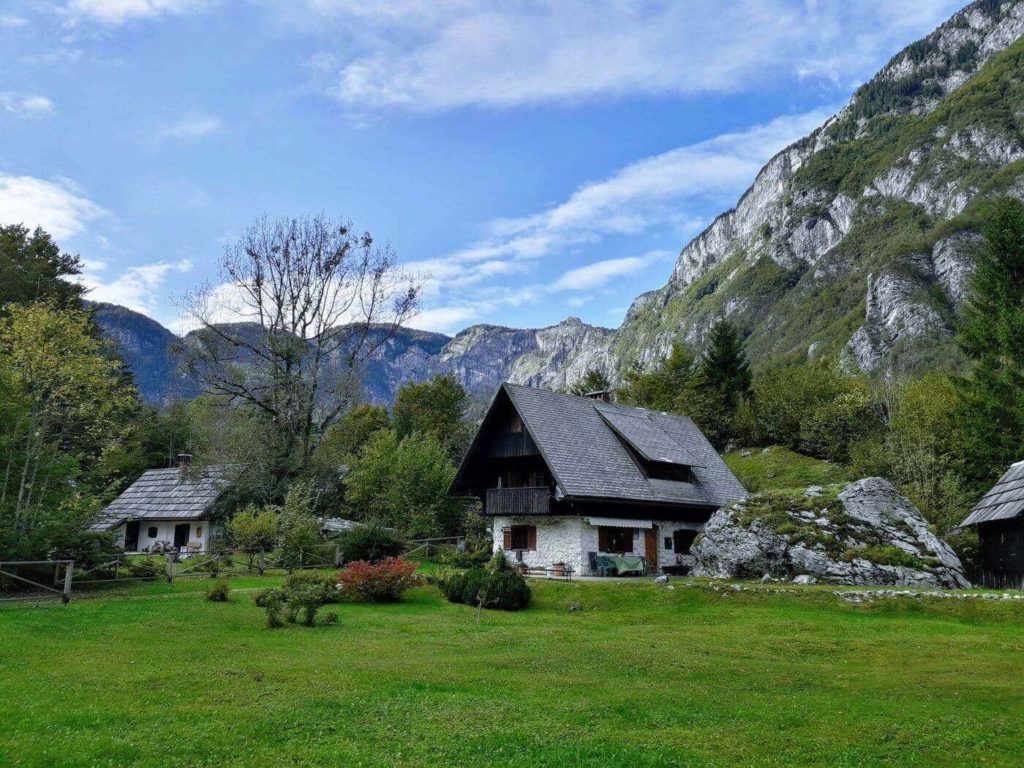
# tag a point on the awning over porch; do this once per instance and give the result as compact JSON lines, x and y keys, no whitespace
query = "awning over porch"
{"x":619,"y":522}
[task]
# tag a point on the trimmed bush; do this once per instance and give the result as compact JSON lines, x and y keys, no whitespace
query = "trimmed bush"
{"x":501,"y":590}
{"x":272,"y":601}
{"x":499,"y":563}
{"x":325,"y":581}
{"x":218,"y":591}
{"x":382,"y":582}
{"x":372,"y":543}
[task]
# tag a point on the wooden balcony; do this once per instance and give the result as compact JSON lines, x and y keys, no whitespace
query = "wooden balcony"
{"x":518,"y":501}
{"x":513,"y":444}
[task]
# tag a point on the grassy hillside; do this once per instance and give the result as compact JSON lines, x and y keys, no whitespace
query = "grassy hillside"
{"x":775,"y":468}
{"x":641,"y":676}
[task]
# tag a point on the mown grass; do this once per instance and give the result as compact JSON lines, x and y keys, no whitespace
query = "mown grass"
{"x":641,"y":676}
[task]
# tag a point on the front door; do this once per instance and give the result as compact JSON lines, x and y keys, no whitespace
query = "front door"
{"x":181,"y":532}
{"x":651,"y":548}
{"x":131,"y":536}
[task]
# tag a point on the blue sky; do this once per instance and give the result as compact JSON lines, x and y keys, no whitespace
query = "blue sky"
{"x":531,"y":160}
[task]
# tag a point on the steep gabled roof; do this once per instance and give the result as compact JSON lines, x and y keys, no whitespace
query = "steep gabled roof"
{"x":1005,"y":501}
{"x":164,"y":494}
{"x":584,"y":443}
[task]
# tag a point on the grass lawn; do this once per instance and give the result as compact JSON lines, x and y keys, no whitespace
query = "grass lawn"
{"x":766,"y":469}
{"x":642,"y":676}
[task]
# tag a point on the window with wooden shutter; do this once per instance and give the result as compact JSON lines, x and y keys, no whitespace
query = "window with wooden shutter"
{"x":523,"y":537}
{"x":615,"y":540}
{"x":507,"y":539}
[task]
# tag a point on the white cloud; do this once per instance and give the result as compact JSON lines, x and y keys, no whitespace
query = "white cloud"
{"x":189,"y":128}
{"x":443,"y":319}
{"x":137,"y":288}
{"x":436,"y":56}
{"x":114,"y":12}
{"x":25,"y":105}
{"x":599,"y":273}
{"x":59,"y":206}
{"x":10,"y":21}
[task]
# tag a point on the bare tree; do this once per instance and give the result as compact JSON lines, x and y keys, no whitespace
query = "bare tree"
{"x":302,"y":305}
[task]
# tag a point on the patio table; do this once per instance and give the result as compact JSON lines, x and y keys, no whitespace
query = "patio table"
{"x":627,"y":564}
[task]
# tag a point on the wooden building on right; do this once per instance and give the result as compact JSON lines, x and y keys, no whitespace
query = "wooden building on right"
{"x":1000,"y":523}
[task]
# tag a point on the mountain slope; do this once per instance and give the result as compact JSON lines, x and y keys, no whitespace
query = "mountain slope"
{"x":857,"y":241}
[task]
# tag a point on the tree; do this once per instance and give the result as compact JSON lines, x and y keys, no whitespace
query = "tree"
{"x":668,"y":386}
{"x":298,"y":530}
{"x":723,"y":378}
{"x":352,"y":432}
{"x":33,"y":268}
{"x":436,"y":408}
{"x":594,"y":380}
{"x":318,"y":300}
{"x":404,"y":484}
{"x":991,"y":411}
{"x":63,"y":403}
{"x":254,"y":530}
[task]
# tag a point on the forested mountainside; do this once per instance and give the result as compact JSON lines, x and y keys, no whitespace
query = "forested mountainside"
{"x":854,"y":243}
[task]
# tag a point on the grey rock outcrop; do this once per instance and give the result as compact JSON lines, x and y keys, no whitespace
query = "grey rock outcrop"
{"x":867,"y":534}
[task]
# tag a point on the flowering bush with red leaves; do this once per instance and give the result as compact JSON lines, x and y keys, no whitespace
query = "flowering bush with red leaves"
{"x":382,"y":582}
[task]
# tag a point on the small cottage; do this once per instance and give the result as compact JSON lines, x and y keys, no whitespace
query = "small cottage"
{"x":604,"y":489}
{"x":1001,"y":531}
{"x":168,"y":509}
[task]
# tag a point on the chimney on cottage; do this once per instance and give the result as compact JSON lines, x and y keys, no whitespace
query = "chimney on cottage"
{"x":184,"y":462}
{"x":604,"y":395}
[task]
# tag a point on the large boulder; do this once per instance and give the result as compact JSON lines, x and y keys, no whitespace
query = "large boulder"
{"x":866,"y":533}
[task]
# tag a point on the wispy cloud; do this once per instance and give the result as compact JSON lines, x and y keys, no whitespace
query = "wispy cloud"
{"x":137,"y":288}
{"x":12,"y":21}
{"x":437,"y":56}
{"x":25,"y":105}
{"x":59,"y":207}
{"x":115,"y":12}
{"x":190,"y":128}
{"x":600,"y":273}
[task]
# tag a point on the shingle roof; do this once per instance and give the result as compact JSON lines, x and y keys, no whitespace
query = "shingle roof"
{"x":1003,"y":502}
{"x":589,"y":460}
{"x":165,"y":495}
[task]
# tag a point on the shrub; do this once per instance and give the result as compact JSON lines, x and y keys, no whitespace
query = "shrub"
{"x":381,"y":582}
{"x":272,"y":601}
{"x":471,"y":557}
{"x":326,"y":581}
{"x":372,"y":543}
{"x":218,"y":591}
{"x":499,"y":562}
{"x":307,"y":597}
{"x":330,"y":618}
{"x":503,"y":590}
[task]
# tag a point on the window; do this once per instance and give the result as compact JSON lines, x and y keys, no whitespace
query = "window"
{"x":615,"y":540}
{"x":668,"y":543}
{"x":521,"y":537}
{"x":659,"y":470}
{"x":516,"y":424}
{"x":151,"y":532}
{"x":683,"y":540}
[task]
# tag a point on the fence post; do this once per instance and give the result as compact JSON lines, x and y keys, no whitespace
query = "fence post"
{"x":170,"y":568}
{"x":337,"y":555}
{"x":66,"y":597}
{"x":261,"y":564}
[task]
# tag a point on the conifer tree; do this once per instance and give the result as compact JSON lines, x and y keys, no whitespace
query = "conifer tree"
{"x":992,"y":338}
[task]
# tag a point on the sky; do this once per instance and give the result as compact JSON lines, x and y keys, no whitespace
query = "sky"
{"x":527,"y":160}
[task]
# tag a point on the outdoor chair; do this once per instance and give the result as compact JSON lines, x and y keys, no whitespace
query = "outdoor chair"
{"x":601,"y":565}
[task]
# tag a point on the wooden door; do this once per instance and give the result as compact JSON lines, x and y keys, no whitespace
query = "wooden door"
{"x":181,"y":532}
{"x":131,"y":536}
{"x":651,"y":548}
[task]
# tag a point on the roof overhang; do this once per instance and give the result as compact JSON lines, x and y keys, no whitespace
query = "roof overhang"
{"x":618,"y":522}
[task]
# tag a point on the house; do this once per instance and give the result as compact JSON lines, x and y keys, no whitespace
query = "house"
{"x":1001,"y":531}
{"x":168,"y":507}
{"x":579,"y":481}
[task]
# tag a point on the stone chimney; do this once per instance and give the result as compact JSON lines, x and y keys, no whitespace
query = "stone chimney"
{"x":184,"y":462}
{"x":604,"y":395}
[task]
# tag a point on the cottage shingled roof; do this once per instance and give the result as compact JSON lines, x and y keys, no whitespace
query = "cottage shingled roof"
{"x":1003,"y":502}
{"x":582,"y":441}
{"x":166,"y":494}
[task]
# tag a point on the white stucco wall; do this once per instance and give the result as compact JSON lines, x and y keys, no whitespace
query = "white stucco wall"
{"x":165,"y":532}
{"x":569,"y":539}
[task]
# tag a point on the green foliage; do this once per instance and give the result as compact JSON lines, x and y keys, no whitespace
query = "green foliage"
{"x":304,"y":596}
{"x":437,"y":409}
{"x":271,"y":600}
{"x":664,"y":386}
{"x":33,"y":268}
{"x":776,"y":467}
{"x":594,"y":380}
{"x":298,"y":530}
{"x":403,"y":483}
{"x":499,"y":562}
{"x":885,"y":556}
{"x":371,"y":542}
{"x":253,"y":529}
{"x":218,"y":591}
{"x":991,"y":411}
{"x":470,"y":557}
{"x":723,"y":382}
{"x":499,"y":589}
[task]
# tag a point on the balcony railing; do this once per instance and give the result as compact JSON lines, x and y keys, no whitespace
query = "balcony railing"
{"x":513,"y":444}
{"x":518,"y":501}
